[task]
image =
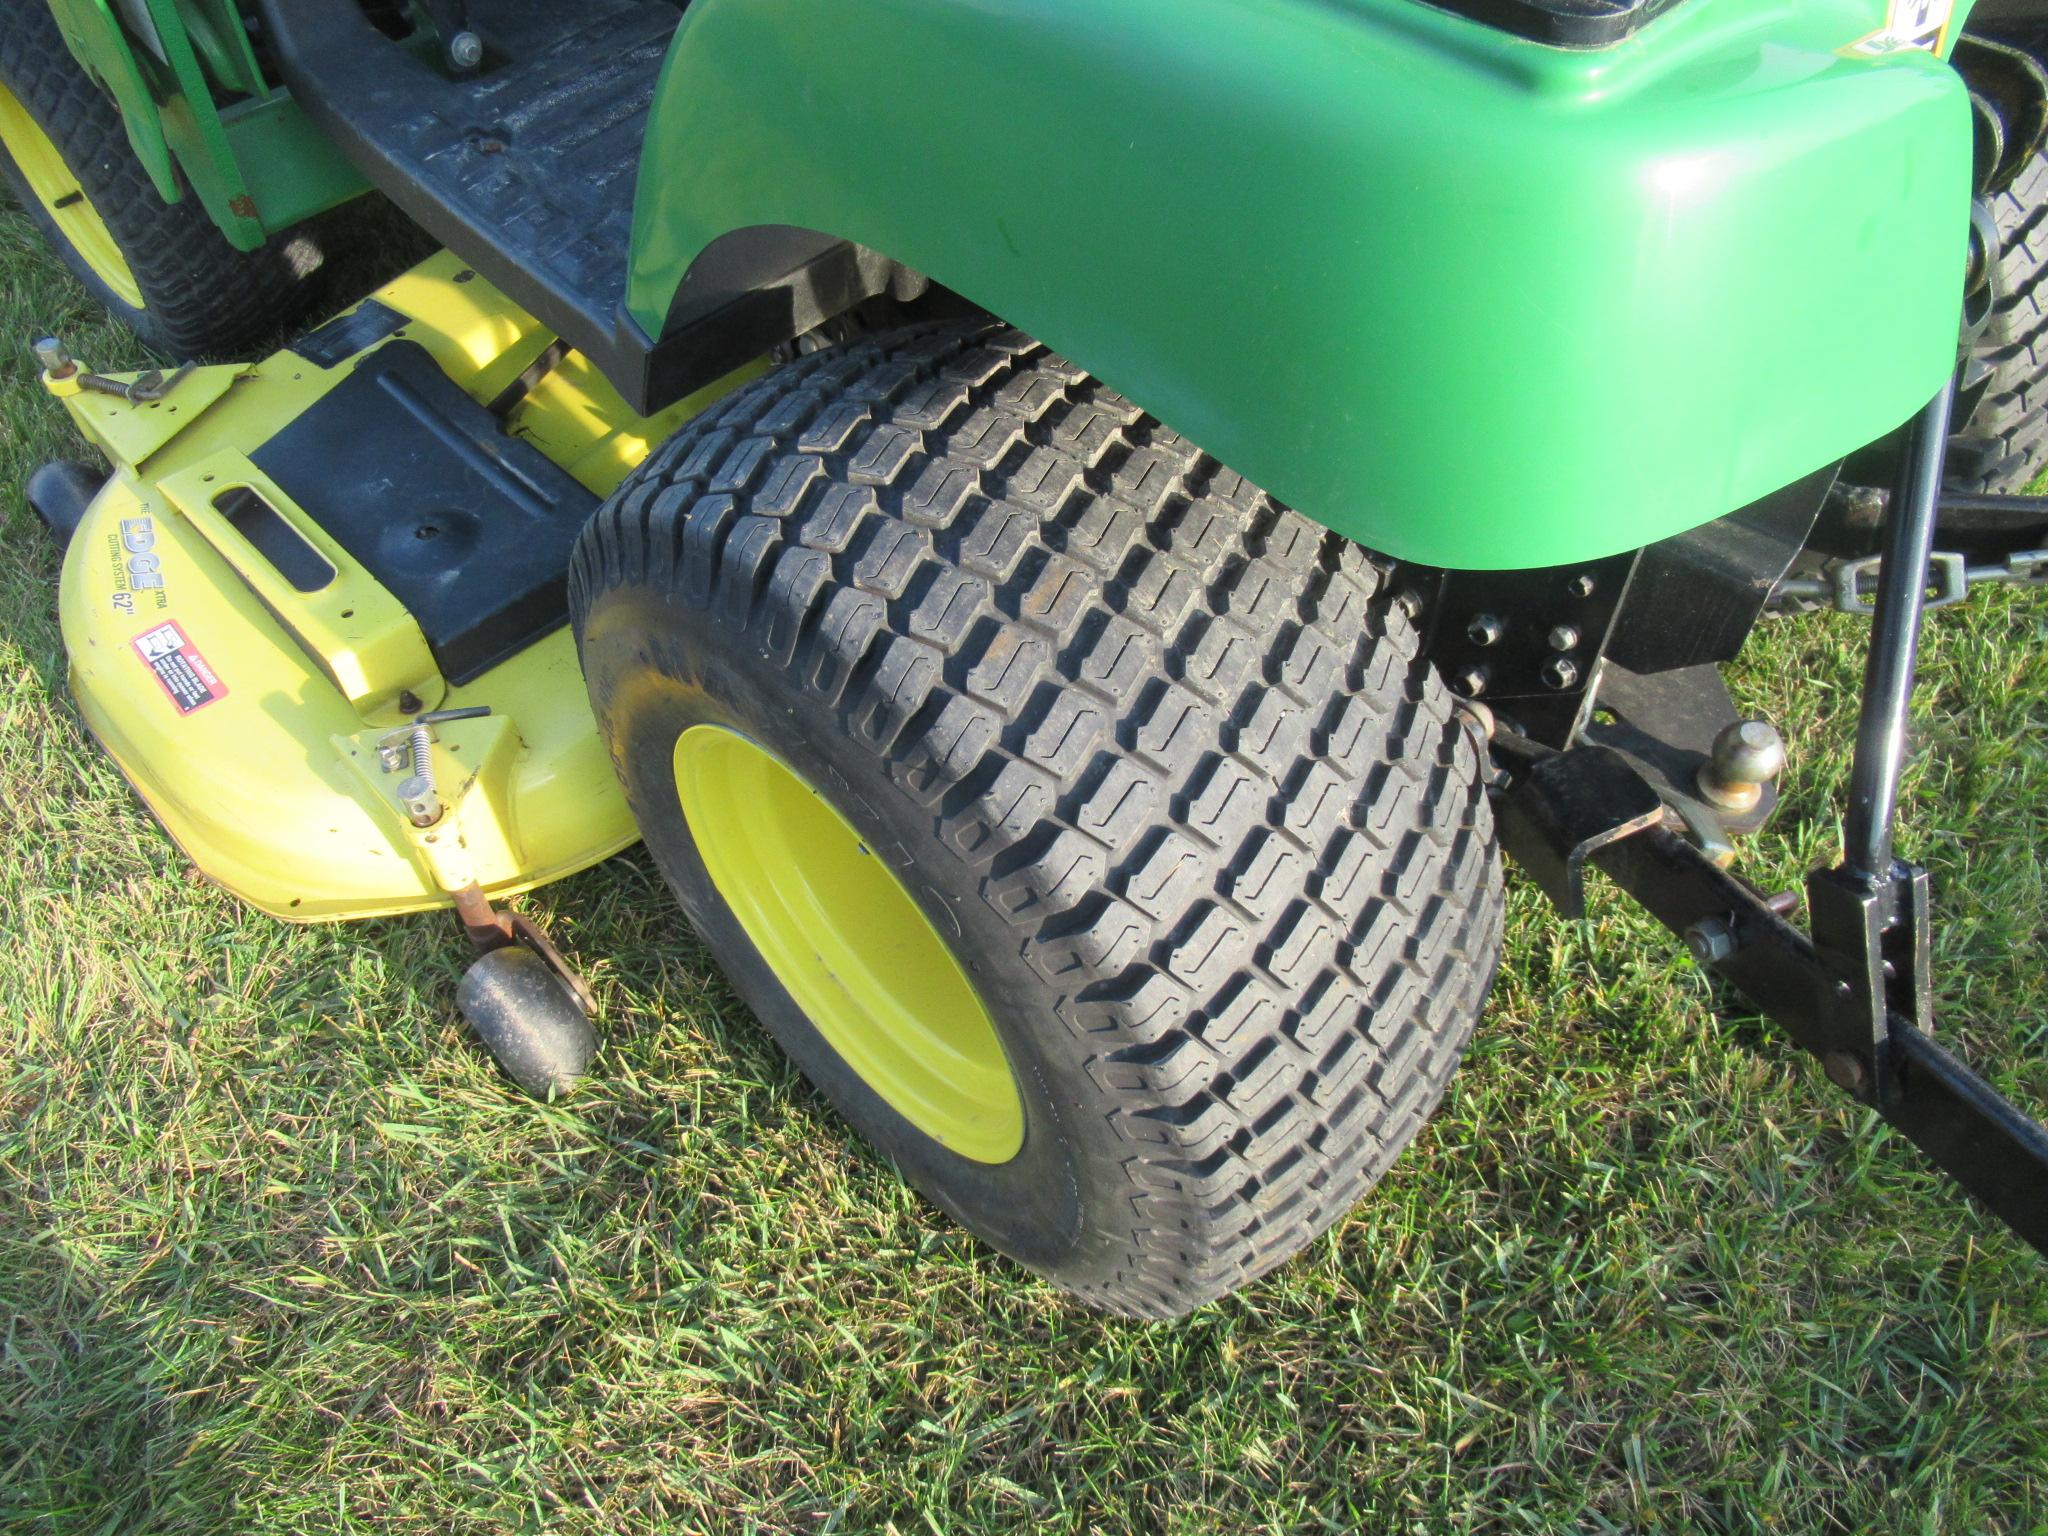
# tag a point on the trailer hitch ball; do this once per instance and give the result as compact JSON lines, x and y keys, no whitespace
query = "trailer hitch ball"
{"x":1746,"y":756}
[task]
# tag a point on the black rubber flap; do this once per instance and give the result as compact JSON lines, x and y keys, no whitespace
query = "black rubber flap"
{"x":1563,"y":23}
{"x":469,"y":528}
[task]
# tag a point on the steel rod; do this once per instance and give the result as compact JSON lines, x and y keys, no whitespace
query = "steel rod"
{"x":2015,"y":506}
{"x":1894,"y":645}
{"x":1965,"y":1126}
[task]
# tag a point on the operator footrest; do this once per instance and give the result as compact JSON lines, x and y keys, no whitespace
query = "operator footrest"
{"x":525,"y":167}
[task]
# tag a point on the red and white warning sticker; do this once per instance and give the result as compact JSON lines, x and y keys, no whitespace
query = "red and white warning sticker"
{"x":176,"y":661}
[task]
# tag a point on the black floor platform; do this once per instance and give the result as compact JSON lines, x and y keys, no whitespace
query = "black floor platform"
{"x":526,"y":168}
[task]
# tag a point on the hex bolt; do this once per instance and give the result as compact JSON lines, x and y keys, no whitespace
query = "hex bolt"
{"x":1564,"y":638}
{"x":1746,"y":756}
{"x":1711,"y":940}
{"x":465,"y":50}
{"x":1561,"y":672}
{"x":53,"y":359}
{"x":422,"y":805}
{"x":1485,"y":629}
{"x":1472,"y":681}
{"x":1582,"y":585}
{"x":1409,"y":601}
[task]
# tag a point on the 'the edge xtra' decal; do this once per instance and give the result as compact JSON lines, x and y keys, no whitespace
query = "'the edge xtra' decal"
{"x":176,"y":661}
{"x":137,"y":569}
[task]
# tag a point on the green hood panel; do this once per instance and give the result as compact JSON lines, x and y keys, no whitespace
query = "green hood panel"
{"x":1469,"y":300}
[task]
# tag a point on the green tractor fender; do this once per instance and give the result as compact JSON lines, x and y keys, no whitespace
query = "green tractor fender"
{"x":1471,"y":300}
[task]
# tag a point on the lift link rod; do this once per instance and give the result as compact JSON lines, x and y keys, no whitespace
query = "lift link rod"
{"x":1894,"y":647}
{"x":1858,"y":993}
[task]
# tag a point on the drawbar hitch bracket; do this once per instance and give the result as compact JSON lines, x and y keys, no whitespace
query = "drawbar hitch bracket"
{"x":1857,"y":991}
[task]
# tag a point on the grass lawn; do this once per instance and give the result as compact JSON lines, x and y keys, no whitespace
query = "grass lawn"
{"x":280,"y":1251}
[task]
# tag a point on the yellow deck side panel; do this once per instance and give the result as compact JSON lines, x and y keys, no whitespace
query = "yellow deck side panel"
{"x":248,"y":714}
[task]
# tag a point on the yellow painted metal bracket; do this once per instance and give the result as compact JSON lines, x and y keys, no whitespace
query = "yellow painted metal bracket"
{"x":270,"y":778}
{"x":130,"y":432}
{"x":360,"y":634}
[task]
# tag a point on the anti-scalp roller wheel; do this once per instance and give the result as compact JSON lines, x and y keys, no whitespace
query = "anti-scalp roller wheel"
{"x":527,"y":1019}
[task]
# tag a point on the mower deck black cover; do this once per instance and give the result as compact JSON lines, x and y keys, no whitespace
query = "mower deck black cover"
{"x":469,"y":528}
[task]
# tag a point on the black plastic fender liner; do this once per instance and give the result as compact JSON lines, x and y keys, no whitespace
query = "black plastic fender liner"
{"x":1563,"y":23}
{"x":59,"y":492}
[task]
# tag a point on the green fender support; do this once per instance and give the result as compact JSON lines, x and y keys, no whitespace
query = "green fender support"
{"x":1469,"y":300}
{"x":256,"y":164}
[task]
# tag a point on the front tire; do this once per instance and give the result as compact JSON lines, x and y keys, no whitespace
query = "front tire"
{"x":1154,"y":758}
{"x":163,"y":269}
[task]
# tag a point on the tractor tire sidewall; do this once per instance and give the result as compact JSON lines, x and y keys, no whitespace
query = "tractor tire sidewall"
{"x":654,"y":671}
{"x":202,"y":297}
{"x":1158,"y":759}
{"x":140,"y":321}
{"x":2004,"y":445}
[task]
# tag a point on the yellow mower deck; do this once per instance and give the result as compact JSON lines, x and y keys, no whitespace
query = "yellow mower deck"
{"x":248,"y":713}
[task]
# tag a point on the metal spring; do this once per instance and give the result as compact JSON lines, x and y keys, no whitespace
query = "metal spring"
{"x":423,"y":755}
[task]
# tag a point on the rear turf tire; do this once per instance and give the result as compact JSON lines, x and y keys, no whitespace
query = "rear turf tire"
{"x":168,"y":274}
{"x":1154,"y":756}
{"x":2004,"y":446}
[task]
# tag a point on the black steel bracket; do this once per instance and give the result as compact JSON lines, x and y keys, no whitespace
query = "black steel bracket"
{"x":1564,"y":807}
{"x":1858,"y":993}
{"x":1965,"y":1126}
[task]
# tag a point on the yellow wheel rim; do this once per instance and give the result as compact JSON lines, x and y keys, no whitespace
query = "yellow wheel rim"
{"x":50,"y":179}
{"x":849,"y":944}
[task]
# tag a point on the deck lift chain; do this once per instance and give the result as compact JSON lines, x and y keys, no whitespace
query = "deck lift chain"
{"x":1857,"y":991}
